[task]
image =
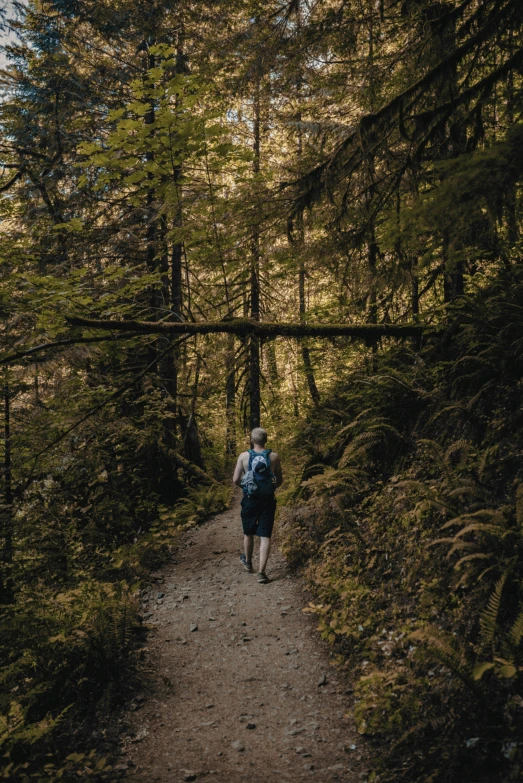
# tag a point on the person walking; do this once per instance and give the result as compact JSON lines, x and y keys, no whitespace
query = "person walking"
{"x":258,"y":472}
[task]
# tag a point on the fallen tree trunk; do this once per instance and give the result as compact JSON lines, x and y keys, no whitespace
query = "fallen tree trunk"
{"x":191,"y":468}
{"x":245,"y":326}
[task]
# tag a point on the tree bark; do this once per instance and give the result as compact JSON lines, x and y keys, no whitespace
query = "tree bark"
{"x":414,"y":273}
{"x":170,"y":368}
{"x":192,"y":448}
{"x":6,"y":510}
{"x":305,"y":353}
{"x":453,"y":284}
{"x":230,"y":399}
{"x":254,"y":343}
{"x":307,"y":364}
{"x":372,"y":255}
{"x":151,"y":232}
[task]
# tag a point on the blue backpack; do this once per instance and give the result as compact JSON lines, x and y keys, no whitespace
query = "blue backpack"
{"x":259,"y":478}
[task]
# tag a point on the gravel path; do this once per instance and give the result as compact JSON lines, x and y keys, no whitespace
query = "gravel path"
{"x":242,"y":689}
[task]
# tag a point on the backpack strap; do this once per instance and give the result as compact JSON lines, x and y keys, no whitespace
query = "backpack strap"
{"x":252,"y":454}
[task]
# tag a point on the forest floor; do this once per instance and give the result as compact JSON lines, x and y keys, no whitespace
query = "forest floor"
{"x":240,"y":685}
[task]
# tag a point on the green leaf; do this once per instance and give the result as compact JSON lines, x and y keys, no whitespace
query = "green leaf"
{"x":508,"y":670}
{"x":480,"y":668}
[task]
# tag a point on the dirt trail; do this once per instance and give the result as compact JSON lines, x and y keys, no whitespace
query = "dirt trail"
{"x":238,"y":676}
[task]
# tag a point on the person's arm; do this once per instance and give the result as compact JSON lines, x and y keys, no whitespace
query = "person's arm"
{"x":276,"y":469}
{"x":238,"y":470}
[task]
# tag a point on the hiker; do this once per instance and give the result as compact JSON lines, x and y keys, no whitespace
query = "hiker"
{"x":258,"y":473}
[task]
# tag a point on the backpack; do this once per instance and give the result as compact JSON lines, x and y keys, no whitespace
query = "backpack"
{"x":259,"y":478}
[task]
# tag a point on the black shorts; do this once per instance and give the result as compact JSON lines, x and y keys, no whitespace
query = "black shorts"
{"x":258,"y":515}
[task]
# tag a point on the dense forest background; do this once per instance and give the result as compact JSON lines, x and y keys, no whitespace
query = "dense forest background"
{"x":303,"y":214}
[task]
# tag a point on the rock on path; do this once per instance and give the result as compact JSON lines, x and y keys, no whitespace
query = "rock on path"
{"x":241,"y":687}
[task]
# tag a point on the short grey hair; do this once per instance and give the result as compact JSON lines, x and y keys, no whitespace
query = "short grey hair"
{"x":259,"y":436}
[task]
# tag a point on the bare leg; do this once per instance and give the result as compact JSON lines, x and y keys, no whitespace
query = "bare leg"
{"x":248,"y":543}
{"x":265,"y":549}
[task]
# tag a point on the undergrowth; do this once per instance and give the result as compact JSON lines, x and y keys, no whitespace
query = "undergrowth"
{"x":408,"y":521}
{"x":70,"y":642}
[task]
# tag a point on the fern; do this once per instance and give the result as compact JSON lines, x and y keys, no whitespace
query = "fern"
{"x":461,"y":448}
{"x":435,"y":449}
{"x":516,"y":632}
{"x":456,"y":407}
{"x":476,"y":397}
{"x":443,"y":649}
{"x":468,"y":559}
{"x":490,"y":515}
{"x":489,"y":617}
{"x":486,"y":457}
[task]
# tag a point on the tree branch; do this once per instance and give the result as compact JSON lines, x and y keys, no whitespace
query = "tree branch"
{"x":11,"y":182}
{"x":13,"y":357}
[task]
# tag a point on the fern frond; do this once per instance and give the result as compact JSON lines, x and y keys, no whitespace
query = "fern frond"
{"x":486,"y":571}
{"x":516,"y":632}
{"x":488,"y":515}
{"x":461,"y":447}
{"x":458,"y":546}
{"x":489,"y":617}
{"x":442,"y":541}
{"x":442,"y":648}
{"x":438,"y":725}
{"x":448,"y":409}
{"x":434,"y":447}
{"x":357,"y":420}
{"x":474,"y":359}
{"x":481,"y":527}
{"x":485,"y":458}
{"x":410,"y":484}
{"x":359,"y":447}
{"x":473,"y":400}
{"x":384,"y":427}
{"x":465,"y":490}
{"x":466,"y":559}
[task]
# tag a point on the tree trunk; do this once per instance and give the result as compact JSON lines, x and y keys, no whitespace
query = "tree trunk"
{"x":305,"y":353}
{"x":151,"y":232}
{"x":6,"y":510}
{"x":414,"y":273}
{"x":244,"y":327}
{"x":453,"y":286}
{"x":272,"y":365}
{"x":192,"y":448}
{"x":372,"y":257}
{"x":453,"y":274}
{"x":170,"y":370}
{"x":230,"y":399}
{"x":307,"y":364}
{"x":191,"y":468}
{"x":254,"y":343}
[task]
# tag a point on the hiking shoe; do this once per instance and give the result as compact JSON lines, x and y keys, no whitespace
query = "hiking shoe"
{"x":246,"y":563}
{"x":263,"y":579}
